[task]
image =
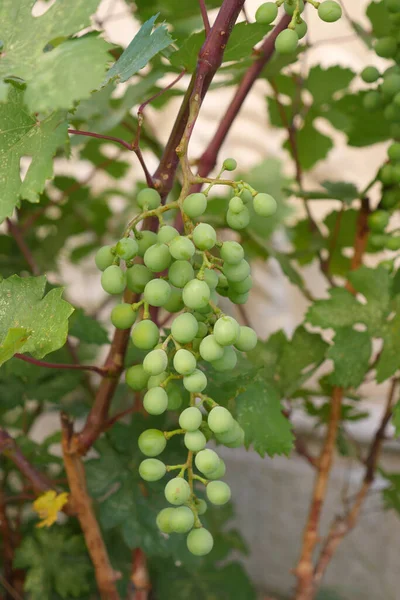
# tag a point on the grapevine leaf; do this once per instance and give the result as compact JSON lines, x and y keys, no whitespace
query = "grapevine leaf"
{"x":389,"y":359}
{"x":391,"y":494}
{"x":340,"y":310}
{"x":341,"y":190}
{"x":144,"y":46}
{"x":379,"y":16}
{"x":56,"y":562}
{"x":312,"y":145}
{"x":24,"y":305}
{"x":350,"y":353}
{"x":306,"y":241}
{"x":22,"y":135}
{"x":203,"y":583}
{"x":396,"y":419}
{"x":324,"y":83}
{"x":14,"y":340}
{"x":288,"y":269}
{"x":87,"y":329}
{"x":259,"y":412}
{"x":65,"y":72}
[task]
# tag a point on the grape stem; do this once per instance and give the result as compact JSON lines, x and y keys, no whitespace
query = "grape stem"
{"x":169,"y":434}
{"x":202,"y":479}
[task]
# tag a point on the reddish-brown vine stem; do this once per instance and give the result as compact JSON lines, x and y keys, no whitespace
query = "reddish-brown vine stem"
{"x":204,"y":16}
{"x":15,"y":231}
{"x":48,"y":365}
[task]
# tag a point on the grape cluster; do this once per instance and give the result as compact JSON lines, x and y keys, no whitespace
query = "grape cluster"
{"x":378,"y":221}
{"x":287,"y":40}
{"x":186,"y":274}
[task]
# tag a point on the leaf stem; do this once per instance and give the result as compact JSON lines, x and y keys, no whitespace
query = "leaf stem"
{"x":48,"y":365}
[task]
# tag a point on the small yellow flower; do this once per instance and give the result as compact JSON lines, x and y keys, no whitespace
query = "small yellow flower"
{"x":48,"y":505}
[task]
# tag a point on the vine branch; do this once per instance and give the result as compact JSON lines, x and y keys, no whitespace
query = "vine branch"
{"x":204,"y":16}
{"x":48,"y":365}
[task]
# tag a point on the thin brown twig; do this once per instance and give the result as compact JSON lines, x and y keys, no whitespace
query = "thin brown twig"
{"x":15,"y":231}
{"x":204,"y":16}
{"x":48,"y":365}
{"x":304,"y":570}
{"x":105,"y":574}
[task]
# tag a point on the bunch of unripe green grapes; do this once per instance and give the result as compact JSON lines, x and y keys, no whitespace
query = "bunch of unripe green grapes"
{"x":287,"y":40}
{"x":386,"y":93}
{"x":378,"y":221}
{"x":186,"y":274}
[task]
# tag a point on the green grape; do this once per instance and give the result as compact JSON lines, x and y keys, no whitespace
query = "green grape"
{"x":157,"y":258}
{"x":123,"y":316}
{"x":218,"y":492}
{"x":241,"y":287}
{"x":136,"y":377}
{"x":391,"y":85}
{"x":265,"y":14}
{"x":386,"y":174}
{"x":238,"y":221}
{"x":200,"y":542}
{"x":156,"y":380}
{"x":166,"y":234}
{"x":201,"y":506}
{"x":175,"y":302}
{"x":148,"y":199}
{"x":104,"y":257}
{"x":190,"y":419}
{"x":163,"y":520}
{"x":113,"y":280}
{"x":147,"y":239}
{"x":370,"y":74}
{"x":372,"y":100}
{"x":219,"y":471}
{"x":227,"y":362}
{"x":181,"y":248}
{"x":394,"y":151}
{"x":264,"y":205}
{"x":396,"y":173}
{"x":195,"y":205}
{"x":196,"y":382}
{"x":246,"y":195}
{"x":196,"y":294}
{"x":378,"y":240}
{"x":386,"y":47}
{"x":177,"y":491}
{"x":290,"y":6}
{"x":329,"y":11}
{"x":155,"y":362}
{"x":301,"y":29}
{"x":174,"y":397}
{"x":184,"y":362}
{"x":211,"y":278}
{"x":393,"y":243}
{"x":152,"y":442}
{"x":378,"y":221}
{"x":127,"y":248}
{"x":232,"y":253}
{"x":230,"y":164}
{"x":202,"y":330}
{"x":237,"y":298}
{"x":180,"y":273}
{"x":152,"y":469}
{"x":237,"y":272}
{"x":286,"y":41}
{"x":195,"y":440}
{"x":204,"y":236}
{"x":137,"y":277}
{"x":220,"y":419}
{"x":182,"y":519}
{"x":184,"y":328}
{"x":210,"y":349}
{"x":145,"y":335}
{"x":396,"y":102}
{"x":392,"y":113}
{"x":237,"y":442}
{"x":236,"y":205}
{"x":155,"y":401}
{"x":227,"y":437}
{"x":247,"y":339}
{"x":157,"y":292}
{"x":226,"y":331}
{"x":206,"y":461}
{"x":390,"y":198}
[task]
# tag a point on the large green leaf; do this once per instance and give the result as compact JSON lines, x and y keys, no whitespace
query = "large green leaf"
{"x":57,"y":76}
{"x":56,"y":562}
{"x":21,"y":134}
{"x":45,"y":317}
{"x":144,"y":46}
{"x":389,"y":359}
{"x":350,"y":353}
